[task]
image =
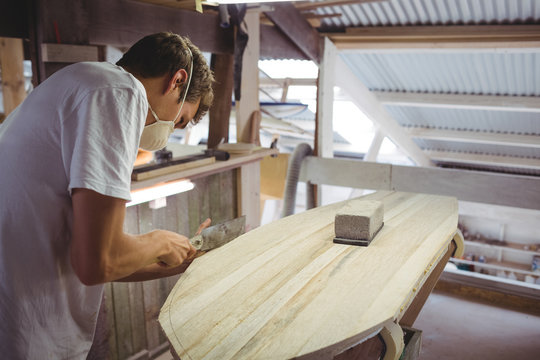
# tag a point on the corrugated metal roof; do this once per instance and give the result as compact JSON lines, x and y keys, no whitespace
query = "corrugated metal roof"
{"x":464,"y":73}
{"x":430,"y":12}
{"x":473,"y":120}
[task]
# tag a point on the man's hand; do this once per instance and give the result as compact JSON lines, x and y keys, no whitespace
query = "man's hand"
{"x":179,"y":248}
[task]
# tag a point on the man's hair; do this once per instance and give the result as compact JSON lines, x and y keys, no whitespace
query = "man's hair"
{"x":165,"y":53}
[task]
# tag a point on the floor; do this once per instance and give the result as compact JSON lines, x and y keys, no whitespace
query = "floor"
{"x":453,"y":328}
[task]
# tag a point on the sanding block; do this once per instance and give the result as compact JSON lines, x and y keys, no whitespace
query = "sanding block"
{"x":358,"y":222}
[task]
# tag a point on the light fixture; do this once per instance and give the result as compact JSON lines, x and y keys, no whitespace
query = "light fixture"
{"x":159,"y":192}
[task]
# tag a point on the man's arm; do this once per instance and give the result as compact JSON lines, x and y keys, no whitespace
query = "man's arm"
{"x":101,"y":251}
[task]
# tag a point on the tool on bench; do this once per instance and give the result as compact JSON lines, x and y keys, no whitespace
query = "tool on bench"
{"x":358,"y":222}
{"x":166,"y":164}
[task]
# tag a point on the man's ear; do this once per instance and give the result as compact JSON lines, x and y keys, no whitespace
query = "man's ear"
{"x":177,"y":79}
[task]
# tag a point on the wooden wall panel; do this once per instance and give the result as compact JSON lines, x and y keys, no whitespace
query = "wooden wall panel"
{"x":129,"y":325}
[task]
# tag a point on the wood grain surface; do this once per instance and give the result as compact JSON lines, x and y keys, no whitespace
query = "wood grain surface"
{"x":286,"y":290}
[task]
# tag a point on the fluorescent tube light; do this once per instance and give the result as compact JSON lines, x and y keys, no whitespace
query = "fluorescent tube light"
{"x":159,"y":191}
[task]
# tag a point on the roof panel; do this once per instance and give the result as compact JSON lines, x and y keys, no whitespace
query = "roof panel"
{"x":502,"y":150}
{"x":464,"y":119}
{"x":463,"y":73}
{"x":432,"y":12}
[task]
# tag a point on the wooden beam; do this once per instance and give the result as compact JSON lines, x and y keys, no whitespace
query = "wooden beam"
{"x":367,"y":102}
{"x":327,"y":3}
{"x":289,"y":20}
{"x":249,"y":101}
{"x":121,"y":23}
{"x":474,"y":186}
{"x":476,"y":36}
{"x":14,"y":19}
{"x":459,"y":101}
{"x":484,"y":159}
{"x":11,"y":64}
{"x":276,"y":45}
{"x":220,"y":112}
{"x":476,"y":137}
{"x":324,"y":133}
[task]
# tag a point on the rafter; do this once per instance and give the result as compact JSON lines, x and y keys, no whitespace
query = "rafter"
{"x":476,"y":137}
{"x":484,"y":159}
{"x":433,"y":37}
{"x":460,"y":101}
{"x":367,"y":102}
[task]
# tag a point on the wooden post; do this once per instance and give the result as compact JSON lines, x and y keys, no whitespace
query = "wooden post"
{"x":11,"y":63}
{"x":324,"y":133}
{"x":249,"y":101}
{"x":222,"y":65}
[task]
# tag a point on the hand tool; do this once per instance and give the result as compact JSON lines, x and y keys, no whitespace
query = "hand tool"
{"x":358,"y":222}
{"x":217,"y":235}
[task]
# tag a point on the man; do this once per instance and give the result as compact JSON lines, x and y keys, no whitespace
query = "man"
{"x":66,"y":155}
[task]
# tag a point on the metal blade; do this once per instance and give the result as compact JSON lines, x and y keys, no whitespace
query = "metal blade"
{"x":217,"y":235}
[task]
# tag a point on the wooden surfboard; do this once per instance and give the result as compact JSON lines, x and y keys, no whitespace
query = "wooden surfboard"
{"x":285,"y":290}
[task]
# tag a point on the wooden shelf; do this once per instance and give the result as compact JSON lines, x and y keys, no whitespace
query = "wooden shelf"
{"x":235,"y":161}
{"x":511,"y":247}
{"x":499,"y":265}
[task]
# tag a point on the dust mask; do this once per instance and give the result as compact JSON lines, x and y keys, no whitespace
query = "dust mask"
{"x":156,"y":135}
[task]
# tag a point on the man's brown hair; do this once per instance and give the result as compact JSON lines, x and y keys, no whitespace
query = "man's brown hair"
{"x":165,"y":53}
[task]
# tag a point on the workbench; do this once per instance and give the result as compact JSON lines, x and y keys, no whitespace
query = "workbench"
{"x":285,"y":290}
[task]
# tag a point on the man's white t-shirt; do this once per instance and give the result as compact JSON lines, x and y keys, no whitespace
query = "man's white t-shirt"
{"x":79,"y":129}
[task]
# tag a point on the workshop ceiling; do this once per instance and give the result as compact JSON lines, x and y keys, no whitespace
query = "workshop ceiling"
{"x":460,"y":77}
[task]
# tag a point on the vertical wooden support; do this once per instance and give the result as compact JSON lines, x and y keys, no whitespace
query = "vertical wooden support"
{"x":375,"y":146}
{"x":249,"y":194}
{"x":325,"y":101}
{"x":324,"y":132}
{"x":249,"y":101}
{"x":222,"y":65}
{"x":11,"y":63}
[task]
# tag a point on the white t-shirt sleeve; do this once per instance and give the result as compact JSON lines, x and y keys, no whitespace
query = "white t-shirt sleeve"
{"x":100,"y":140}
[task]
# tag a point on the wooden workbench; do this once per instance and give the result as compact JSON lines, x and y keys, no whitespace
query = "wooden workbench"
{"x":285,"y":290}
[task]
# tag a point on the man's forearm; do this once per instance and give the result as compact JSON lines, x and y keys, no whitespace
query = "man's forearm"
{"x":155,"y":271}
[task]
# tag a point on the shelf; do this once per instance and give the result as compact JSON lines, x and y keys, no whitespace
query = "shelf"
{"x":505,"y":248}
{"x":496,"y":265}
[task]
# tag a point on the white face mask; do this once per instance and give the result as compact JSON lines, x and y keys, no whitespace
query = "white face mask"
{"x":156,"y":135}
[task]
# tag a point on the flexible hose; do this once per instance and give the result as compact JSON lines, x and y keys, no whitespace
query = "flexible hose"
{"x":293,"y":173}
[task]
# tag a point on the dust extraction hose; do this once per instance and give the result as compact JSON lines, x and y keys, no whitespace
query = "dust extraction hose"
{"x":293,"y":173}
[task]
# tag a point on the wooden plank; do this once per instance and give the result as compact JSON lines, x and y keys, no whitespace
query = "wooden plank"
{"x":289,"y":20}
{"x":111,"y":322}
{"x":484,"y":159}
{"x":136,"y":307}
{"x":310,"y":5}
{"x":367,"y":102}
{"x":433,"y":37}
{"x":194,"y":5}
{"x":122,"y":22}
{"x":145,"y":172}
{"x":277,"y":45}
{"x":11,"y":65}
{"x":249,"y":101}
{"x":122,"y":319}
{"x":476,"y":137}
{"x":482,"y":187}
{"x":350,"y":173}
{"x":249,"y":194}
{"x":422,"y":293}
{"x":220,"y":112}
{"x":459,"y":101}
{"x":309,"y":303}
{"x":325,"y":102}
{"x":64,"y":53}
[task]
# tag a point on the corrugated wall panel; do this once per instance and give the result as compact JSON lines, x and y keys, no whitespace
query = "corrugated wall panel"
{"x":479,"y":148}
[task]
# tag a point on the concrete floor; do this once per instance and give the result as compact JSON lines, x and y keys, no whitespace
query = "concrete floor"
{"x":453,"y":328}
